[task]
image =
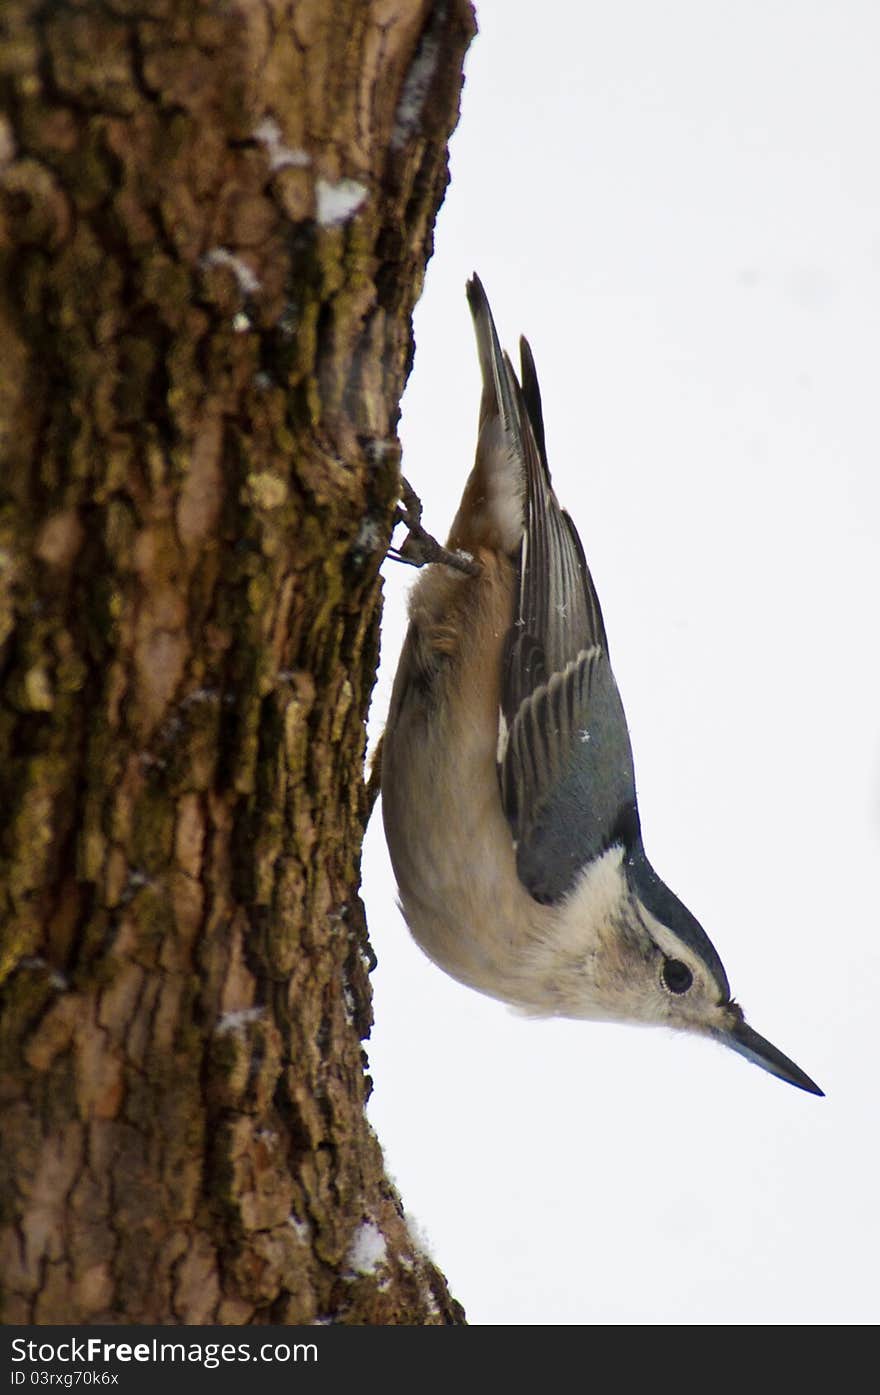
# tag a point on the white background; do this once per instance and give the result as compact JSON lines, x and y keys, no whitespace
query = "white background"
{"x":679,"y":205}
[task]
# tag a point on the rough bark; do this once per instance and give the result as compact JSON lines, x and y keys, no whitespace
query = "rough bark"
{"x":215,"y":223}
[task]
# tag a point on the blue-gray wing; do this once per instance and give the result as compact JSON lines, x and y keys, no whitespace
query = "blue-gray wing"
{"x":566,"y":774}
{"x":564,"y":757}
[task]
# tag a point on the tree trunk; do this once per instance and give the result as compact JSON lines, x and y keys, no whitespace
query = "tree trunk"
{"x":214,"y":223}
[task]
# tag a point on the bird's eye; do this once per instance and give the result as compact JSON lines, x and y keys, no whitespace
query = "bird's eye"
{"x":676,"y":976}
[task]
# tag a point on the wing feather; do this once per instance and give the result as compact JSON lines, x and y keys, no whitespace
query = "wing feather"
{"x":565,"y":762}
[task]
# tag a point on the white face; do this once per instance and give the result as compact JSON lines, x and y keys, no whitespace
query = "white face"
{"x":606,"y":957}
{"x":683,"y":992}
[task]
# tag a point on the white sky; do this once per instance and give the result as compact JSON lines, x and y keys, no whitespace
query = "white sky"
{"x":679,"y":205}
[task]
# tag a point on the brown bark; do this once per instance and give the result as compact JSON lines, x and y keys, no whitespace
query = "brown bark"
{"x":215,"y":223}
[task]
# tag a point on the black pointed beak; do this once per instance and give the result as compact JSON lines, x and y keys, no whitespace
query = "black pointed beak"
{"x":746,"y":1042}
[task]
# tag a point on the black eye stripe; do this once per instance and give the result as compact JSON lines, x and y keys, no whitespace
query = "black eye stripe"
{"x":676,"y":976}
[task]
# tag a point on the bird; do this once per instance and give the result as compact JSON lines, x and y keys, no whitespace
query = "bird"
{"x":508,"y":791}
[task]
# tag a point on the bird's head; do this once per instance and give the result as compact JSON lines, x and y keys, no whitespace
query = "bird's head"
{"x":630,"y":951}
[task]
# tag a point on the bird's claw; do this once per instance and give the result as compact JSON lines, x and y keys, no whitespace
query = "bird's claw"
{"x":419,"y":547}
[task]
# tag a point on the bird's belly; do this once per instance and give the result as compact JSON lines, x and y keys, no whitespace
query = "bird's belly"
{"x":453,"y":857}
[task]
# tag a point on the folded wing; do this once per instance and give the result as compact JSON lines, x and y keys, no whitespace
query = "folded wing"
{"x":564,"y":757}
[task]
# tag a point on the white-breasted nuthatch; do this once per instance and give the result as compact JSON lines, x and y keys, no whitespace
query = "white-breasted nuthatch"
{"x":508,"y":793}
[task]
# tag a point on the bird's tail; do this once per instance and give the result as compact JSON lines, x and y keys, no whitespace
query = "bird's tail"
{"x":556,"y":599}
{"x":493,"y":508}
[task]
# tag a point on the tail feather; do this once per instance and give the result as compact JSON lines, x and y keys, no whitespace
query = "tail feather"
{"x":532,"y":395}
{"x":492,"y":510}
{"x":557,"y":614}
{"x":498,"y":395}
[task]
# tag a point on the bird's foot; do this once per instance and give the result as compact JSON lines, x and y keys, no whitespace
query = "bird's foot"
{"x":419,"y":547}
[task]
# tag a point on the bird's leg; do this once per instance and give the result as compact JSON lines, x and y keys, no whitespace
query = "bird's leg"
{"x":419,"y":547}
